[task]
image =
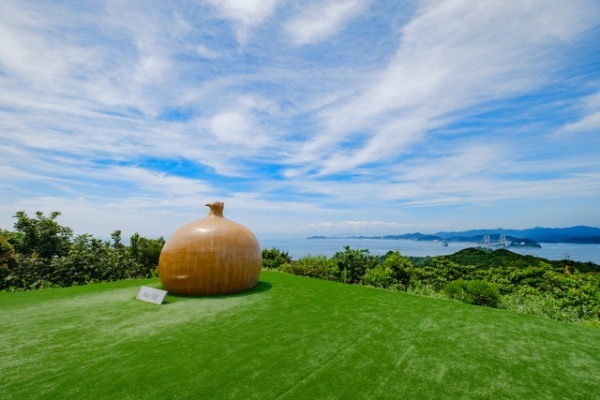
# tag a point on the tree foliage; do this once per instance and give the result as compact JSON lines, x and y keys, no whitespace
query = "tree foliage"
{"x":42,"y":253}
{"x":315,"y":267}
{"x":401,"y":268}
{"x":274,"y":258}
{"x":381,"y":276}
{"x":354,"y":263}
{"x":41,"y":235}
{"x":474,"y":292}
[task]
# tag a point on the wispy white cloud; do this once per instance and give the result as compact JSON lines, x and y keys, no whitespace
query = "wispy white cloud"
{"x":240,"y":126}
{"x":206,"y":52}
{"x":245,"y":14}
{"x":356,"y":225}
{"x":589,"y":108}
{"x":318,"y":21}
{"x":589,"y":123}
{"x":159,"y":182}
{"x":453,"y":55}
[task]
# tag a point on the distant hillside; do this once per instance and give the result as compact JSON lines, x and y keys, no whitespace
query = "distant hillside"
{"x":575,"y":234}
{"x":407,"y":236}
{"x":494,"y":238}
{"x":522,"y":237}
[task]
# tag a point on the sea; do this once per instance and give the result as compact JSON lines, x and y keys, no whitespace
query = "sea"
{"x":302,"y":247}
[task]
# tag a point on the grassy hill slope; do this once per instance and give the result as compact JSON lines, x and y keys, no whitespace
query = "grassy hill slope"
{"x":288,"y":338}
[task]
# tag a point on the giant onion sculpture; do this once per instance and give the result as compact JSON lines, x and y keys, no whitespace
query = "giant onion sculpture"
{"x":210,"y":256}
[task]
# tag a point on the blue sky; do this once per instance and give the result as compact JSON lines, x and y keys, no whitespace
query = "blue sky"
{"x":312,"y":117}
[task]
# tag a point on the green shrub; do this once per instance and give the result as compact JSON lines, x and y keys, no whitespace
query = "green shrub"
{"x":474,"y":292}
{"x":274,"y":258}
{"x":42,"y":235}
{"x":42,"y":253}
{"x":146,"y":251}
{"x":540,"y":304}
{"x":379,"y":276}
{"x":420,"y":289}
{"x":401,"y":267}
{"x":313,"y":266}
{"x":8,"y":257}
{"x":354,"y":263}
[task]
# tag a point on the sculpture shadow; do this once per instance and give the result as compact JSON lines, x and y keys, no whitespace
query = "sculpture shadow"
{"x":260,"y":287}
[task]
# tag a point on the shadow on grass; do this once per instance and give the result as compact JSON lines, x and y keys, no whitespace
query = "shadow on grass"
{"x":260,"y":287}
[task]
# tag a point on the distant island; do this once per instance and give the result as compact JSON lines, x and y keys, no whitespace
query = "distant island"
{"x":498,"y":237}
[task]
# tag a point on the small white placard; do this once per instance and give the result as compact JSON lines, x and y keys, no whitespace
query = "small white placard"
{"x":151,"y":295}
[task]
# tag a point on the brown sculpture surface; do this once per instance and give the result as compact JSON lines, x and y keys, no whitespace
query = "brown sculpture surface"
{"x":210,"y":256}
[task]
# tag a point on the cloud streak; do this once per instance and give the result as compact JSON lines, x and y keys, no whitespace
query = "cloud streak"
{"x":453,"y":57}
{"x":319,"y":21}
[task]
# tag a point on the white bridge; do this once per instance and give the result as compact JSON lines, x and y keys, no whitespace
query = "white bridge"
{"x":502,"y":242}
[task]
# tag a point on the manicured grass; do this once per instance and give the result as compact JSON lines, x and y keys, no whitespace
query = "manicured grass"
{"x":289,"y":338}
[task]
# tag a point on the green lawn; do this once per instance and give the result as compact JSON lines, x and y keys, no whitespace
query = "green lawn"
{"x":289,"y":338}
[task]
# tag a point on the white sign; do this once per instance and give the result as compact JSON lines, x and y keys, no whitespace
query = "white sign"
{"x":151,"y":295}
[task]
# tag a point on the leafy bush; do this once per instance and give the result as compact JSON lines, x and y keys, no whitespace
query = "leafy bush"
{"x":539,"y":304}
{"x":146,"y":251}
{"x":313,"y":266}
{"x":474,"y":292}
{"x":274,"y":258}
{"x":8,"y":257}
{"x":42,"y":235}
{"x":354,"y":263}
{"x":380,"y":276}
{"x":42,"y":253}
{"x":401,"y":267}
